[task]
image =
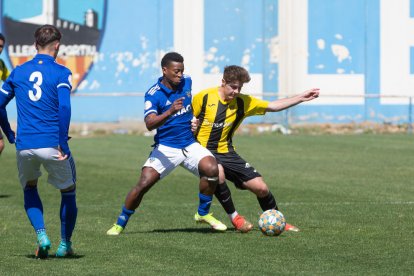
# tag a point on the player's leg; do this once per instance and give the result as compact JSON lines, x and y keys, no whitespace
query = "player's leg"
{"x":201,"y":162}
{"x":207,"y":168}
{"x":68,"y":215}
{"x":265,"y":197}
{"x":62,"y":175}
{"x":29,"y":171}
{"x":260,"y":189}
{"x":223,"y":194}
{"x":231,"y":166}
{"x":34,"y":210}
{"x":148,"y":178}
{"x":153,"y":170}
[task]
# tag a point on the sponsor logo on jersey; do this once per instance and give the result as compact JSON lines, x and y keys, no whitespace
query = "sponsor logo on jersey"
{"x":167,"y":103}
{"x":183,"y":110}
{"x":81,"y":29}
{"x":217,"y":125}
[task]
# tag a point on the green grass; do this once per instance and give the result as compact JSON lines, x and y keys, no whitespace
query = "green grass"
{"x":352,"y":197}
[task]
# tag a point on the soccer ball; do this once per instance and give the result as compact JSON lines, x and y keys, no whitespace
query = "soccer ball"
{"x":272,"y":223}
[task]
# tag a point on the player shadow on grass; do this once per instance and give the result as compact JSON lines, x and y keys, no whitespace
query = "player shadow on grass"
{"x":185,"y":230}
{"x":5,"y":196}
{"x":194,"y":230}
{"x":75,"y":256}
{"x":178,"y":230}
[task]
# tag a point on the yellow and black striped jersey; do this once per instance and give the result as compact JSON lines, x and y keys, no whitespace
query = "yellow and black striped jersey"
{"x":218,"y":120}
{"x":4,"y":72}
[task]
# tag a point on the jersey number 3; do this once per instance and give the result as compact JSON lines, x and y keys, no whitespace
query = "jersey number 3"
{"x":37,"y":79}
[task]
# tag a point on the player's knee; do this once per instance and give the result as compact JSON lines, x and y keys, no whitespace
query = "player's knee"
{"x":208,"y":168}
{"x":261,"y":191}
{"x":145,"y":183}
{"x":31,"y":184}
{"x":1,"y":146}
{"x":71,"y":188}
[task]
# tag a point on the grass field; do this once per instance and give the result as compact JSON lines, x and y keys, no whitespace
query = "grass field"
{"x":352,"y":197}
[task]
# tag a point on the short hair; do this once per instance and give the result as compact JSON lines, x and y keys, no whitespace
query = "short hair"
{"x":171,"y":57}
{"x":236,"y":73}
{"x":2,"y":37}
{"x":47,"y":34}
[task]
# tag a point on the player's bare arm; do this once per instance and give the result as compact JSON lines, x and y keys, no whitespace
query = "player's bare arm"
{"x":194,"y":124}
{"x":153,"y":121}
{"x":282,"y":104}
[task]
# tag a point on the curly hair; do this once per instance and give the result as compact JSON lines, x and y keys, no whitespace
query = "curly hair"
{"x":171,"y":57}
{"x":234,"y":73}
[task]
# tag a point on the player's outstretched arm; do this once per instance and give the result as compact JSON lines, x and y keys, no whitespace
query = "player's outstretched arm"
{"x":282,"y":104}
{"x":154,"y":121}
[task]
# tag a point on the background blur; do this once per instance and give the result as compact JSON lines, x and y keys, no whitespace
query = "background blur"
{"x":359,"y":52}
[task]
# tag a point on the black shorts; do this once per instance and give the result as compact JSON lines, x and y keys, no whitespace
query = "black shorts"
{"x":236,"y":169}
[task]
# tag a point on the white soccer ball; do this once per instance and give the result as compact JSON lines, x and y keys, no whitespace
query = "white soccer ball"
{"x":272,"y":223}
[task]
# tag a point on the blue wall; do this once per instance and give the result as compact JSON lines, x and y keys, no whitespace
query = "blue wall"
{"x":136,"y":33}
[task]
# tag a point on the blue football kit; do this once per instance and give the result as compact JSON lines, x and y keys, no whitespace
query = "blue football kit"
{"x":175,"y":145}
{"x":42,"y":90}
{"x":176,"y":131}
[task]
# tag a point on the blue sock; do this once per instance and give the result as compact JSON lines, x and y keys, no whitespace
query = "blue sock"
{"x":124,"y":216}
{"x":68,"y":214}
{"x":34,"y":209}
{"x":204,"y":205}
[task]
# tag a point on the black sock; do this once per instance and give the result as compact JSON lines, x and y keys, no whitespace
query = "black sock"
{"x":223,"y":195}
{"x":268,"y":202}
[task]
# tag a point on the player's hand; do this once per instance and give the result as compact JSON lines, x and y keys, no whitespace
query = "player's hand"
{"x":310,"y":94}
{"x":11,"y":137}
{"x":61,"y":156}
{"x":194,"y":124}
{"x":177,"y":105}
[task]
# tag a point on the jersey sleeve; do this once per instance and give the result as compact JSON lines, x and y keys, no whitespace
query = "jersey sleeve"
{"x":254,"y":106}
{"x":64,"y":87}
{"x":151,"y":104}
{"x":64,"y":118}
{"x":197,"y":104}
{"x":65,"y":79}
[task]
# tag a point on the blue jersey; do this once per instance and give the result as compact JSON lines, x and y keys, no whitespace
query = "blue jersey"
{"x":176,"y":131}
{"x":42,"y":90}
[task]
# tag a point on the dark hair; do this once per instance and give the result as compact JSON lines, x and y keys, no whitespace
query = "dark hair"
{"x":47,"y":34}
{"x":171,"y":57}
{"x":2,"y":38}
{"x":235,"y":73}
